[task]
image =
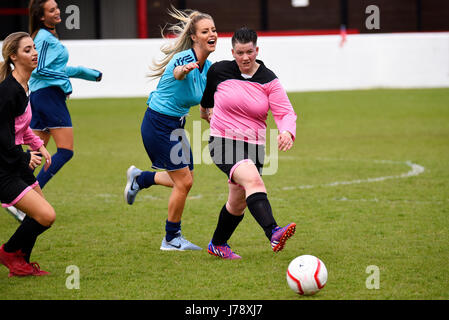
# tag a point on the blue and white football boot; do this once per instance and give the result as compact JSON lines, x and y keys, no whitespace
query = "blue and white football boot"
{"x":179,"y":244}
{"x":132,"y":188}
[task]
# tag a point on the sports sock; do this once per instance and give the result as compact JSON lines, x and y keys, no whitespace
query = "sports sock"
{"x":28,"y":247}
{"x":227,"y":223}
{"x":172,"y":229}
{"x":146,"y":179}
{"x":58,"y":160}
{"x":25,"y":237}
{"x":260,"y":208}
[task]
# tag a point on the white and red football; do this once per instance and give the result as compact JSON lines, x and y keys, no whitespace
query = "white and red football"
{"x":306,"y":275}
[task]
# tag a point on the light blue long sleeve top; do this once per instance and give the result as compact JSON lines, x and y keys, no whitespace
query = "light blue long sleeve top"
{"x":175,"y":97}
{"x":52,"y":69}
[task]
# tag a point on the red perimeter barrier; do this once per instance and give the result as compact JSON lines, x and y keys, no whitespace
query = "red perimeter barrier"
{"x":283,"y":33}
{"x":13,"y":11}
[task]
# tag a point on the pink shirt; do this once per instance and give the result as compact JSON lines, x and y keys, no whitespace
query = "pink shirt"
{"x":24,"y":134}
{"x":241,"y":109}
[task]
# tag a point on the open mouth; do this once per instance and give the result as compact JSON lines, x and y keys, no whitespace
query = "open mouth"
{"x":211,"y":41}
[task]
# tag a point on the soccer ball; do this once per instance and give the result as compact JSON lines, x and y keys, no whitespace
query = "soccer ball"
{"x":306,"y":275}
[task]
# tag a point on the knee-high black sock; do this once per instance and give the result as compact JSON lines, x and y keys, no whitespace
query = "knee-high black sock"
{"x":25,"y":237}
{"x":227,"y":223}
{"x":260,"y":208}
{"x":28,"y":247}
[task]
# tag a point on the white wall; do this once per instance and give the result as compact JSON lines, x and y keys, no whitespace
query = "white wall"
{"x":364,"y":61}
{"x":303,"y":63}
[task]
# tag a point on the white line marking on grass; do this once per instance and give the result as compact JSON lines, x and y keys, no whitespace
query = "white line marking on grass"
{"x":416,"y":169}
{"x":150,"y":197}
{"x":344,"y":199}
{"x":105,"y":195}
{"x":145,"y":196}
{"x":196,"y":197}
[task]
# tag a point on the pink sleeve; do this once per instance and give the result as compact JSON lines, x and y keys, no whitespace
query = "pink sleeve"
{"x":29,"y":138}
{"x":281,"y":108}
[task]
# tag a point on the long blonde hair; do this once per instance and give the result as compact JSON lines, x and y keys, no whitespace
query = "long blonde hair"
{"x":182,"y":31}
{"x":10,"y":46}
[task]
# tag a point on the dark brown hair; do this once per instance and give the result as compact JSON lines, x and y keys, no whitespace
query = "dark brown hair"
{"x":243,"y":36}
{"x":36,"y":10}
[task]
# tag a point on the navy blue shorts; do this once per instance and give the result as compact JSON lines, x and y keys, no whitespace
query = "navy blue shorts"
{"x":165,"y":141}
{"x":49,"y":109}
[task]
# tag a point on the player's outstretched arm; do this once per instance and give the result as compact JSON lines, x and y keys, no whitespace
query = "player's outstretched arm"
{"x":180,"y":72}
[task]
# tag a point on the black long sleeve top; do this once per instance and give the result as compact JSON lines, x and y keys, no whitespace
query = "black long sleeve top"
{"x":13,"y":102}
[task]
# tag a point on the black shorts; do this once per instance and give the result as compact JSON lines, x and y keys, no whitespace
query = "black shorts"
{"x":13,"y":186}
{"x":228,"y":154}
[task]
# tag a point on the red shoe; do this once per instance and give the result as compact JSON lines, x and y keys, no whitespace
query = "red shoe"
{"x":37,"y":270}
{"x":281,"y":235}
{"x":16,"y":263}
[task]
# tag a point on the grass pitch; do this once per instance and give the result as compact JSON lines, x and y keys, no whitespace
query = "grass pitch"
{"x":367,"y":183}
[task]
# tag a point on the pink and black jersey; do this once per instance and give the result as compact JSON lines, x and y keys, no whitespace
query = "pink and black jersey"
{"x":241,"y":104}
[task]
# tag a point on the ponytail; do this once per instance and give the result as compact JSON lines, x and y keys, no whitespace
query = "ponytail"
{"x":5,"y":70}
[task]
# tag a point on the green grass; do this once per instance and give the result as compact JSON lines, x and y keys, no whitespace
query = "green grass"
{"x":399,"y":224}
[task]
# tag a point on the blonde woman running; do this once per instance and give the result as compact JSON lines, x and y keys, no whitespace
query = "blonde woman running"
{"x":182,"y":81}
